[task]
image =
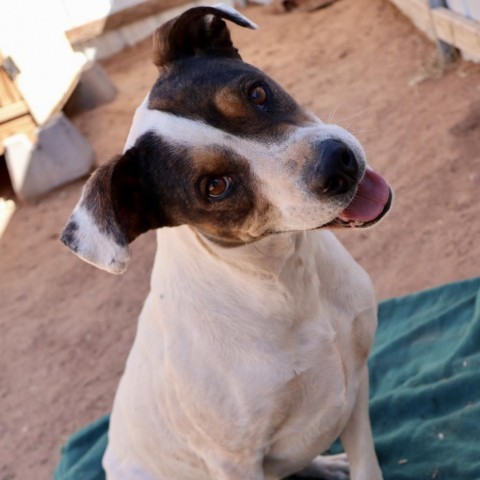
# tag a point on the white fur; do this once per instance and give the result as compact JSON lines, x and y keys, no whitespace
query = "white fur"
{"x":247,"y":362}
{"x":96,"y":247}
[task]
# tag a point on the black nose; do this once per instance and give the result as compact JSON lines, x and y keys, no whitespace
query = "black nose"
{"x":335,"y":169}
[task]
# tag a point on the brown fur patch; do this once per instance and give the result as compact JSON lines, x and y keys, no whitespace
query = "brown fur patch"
{"x":230,"y":105}
{"x":243,"y":215}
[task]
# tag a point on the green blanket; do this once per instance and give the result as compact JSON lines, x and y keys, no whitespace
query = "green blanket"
{"x":425,"y":391}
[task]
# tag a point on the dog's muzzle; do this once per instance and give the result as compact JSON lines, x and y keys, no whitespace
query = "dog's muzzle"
{"x":334,"y":171}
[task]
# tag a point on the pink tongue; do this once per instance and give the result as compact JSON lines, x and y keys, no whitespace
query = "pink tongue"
{"x":369,"y":201}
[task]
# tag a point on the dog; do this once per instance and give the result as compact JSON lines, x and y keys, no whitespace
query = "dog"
{"x":250,"y":357}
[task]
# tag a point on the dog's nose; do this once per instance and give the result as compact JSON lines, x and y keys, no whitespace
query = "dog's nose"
{"x":335,"y":168}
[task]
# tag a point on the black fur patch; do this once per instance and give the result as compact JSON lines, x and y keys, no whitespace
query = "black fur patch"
{"x":98,"y":201}
{"x":69,"y":237}
{"x":157,"y":184}
{"x":190,"y":88}
{"x":192,"y":34}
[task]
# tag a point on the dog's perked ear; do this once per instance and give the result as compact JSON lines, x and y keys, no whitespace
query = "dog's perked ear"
{"x":116,"y":206}
{"x":198,"y":31}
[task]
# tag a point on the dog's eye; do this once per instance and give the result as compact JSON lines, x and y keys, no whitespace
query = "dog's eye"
{"x":258,"y":95}
{"x":218,"y":186}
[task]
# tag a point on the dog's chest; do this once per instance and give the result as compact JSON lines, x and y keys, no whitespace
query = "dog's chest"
{"x":289,"y":401}
{"x":233,"y":366}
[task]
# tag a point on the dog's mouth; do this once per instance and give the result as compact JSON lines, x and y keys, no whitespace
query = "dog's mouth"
{"x":371,"y":202}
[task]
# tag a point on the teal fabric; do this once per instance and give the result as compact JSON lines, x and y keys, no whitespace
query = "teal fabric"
{"x":81,"y":456}
{"x":425,"y":391}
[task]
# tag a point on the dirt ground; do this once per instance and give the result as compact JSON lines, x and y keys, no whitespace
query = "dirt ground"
{"x":66,"y":327}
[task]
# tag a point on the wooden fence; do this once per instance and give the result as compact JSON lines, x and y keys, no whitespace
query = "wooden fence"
{"x":446,"y":25}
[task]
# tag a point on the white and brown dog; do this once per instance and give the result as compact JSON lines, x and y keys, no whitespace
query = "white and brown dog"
{"x":251,"y":350}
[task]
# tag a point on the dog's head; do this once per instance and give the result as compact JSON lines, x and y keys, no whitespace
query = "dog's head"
{"x":219,"y":145}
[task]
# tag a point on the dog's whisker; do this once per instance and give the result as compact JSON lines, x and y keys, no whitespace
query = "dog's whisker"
{"x":331,"y":116}
{"x":354,"y":117}
{"x":358,"y":129}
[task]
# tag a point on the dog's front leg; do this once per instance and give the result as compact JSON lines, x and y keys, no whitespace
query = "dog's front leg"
{"x":357,"y":439}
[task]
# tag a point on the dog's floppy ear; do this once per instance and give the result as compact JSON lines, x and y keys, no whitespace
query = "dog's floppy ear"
{"x":198,"y":31}
{"x":117,"y":205}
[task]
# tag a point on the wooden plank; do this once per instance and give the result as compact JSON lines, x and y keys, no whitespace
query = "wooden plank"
{"x":13,"y":110}
{"x":466,"y":35}
{"x":86,"y":32}
{"x":412,"y":6}
{"x":118,"y":19}
{"x":443,"y":24}
{"x":457,"y":30}
{"x":8,"y":91}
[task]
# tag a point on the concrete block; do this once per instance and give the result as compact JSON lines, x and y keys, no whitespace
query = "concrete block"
{"x":60,"y":155}
{"x":94,"y":88}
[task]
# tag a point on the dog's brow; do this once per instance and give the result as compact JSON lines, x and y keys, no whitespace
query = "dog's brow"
{"x":195,"y":133}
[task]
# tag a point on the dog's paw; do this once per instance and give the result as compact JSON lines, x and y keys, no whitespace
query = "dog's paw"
{"x":331,"y":467}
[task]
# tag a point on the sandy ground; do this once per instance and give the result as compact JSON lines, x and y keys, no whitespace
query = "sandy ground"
{"x":66,"y":327}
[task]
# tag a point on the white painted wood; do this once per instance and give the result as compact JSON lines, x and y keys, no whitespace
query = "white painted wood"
{"x":459,"y":31}
{"x":32,"y":34}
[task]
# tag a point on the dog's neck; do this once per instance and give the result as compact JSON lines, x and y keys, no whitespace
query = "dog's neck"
{"x":249,"y":288}
{"x":265,"y":258}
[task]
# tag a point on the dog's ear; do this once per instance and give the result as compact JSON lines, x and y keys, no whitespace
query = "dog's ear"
{"x":198,"y":31}
{"x":117,"y":205}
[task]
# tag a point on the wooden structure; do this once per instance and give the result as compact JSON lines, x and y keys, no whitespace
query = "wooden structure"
{"x":455,"y":29}
{"x":15,"y":116}
{"x":126,"y":26}
{"x":120,"y":18}
{"x":443,"y":24}
{"x":20,"y":116}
